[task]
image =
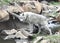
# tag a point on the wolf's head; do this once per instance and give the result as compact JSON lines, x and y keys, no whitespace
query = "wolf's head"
{"x":23,"y":17}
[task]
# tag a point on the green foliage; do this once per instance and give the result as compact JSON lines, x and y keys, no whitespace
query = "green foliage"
{"x":55,"y":3}
{"x":3,"y":2}
{"x":7,"y":1}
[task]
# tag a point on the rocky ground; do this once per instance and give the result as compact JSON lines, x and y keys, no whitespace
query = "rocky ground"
{"x":13,"y":29}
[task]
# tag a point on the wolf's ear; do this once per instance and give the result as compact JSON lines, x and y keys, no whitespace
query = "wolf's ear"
{"x":26,"y":17}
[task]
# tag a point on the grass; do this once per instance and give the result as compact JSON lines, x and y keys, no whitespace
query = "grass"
{"x":4,"y":2}
{"x":52,"y":38}
{"x":55,"y":3}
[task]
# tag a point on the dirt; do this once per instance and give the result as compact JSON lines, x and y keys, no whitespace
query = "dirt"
{"x":12,"y":24}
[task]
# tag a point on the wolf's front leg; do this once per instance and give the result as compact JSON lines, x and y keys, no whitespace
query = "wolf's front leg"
{"x":47,"y":28}
{"x":30,"y":28}
{"x":39,"y":26}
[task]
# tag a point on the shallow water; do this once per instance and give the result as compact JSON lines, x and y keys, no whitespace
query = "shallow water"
{"x":6,"y":41}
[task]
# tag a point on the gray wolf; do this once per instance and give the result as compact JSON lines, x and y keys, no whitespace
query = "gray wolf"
{"x":33,"y":18}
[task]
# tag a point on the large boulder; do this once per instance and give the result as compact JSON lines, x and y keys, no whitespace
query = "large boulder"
{"x":3,"y":15}
{"x":14,"y":9}
{"x":31,"y":6}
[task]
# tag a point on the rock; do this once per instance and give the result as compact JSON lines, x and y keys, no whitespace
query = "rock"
{"x":58,"y":17}
{"x":38,"y":38}
{"x":4,"y":16}
{"x":9,"y":37}
{"x":45,"y":41}
{"x":26,"y":33}
{"x":49,"y":10}
{"x":38,"y":7}
{"x":28,"y":6}
{"x":21,"y":41}
{"x":20,"y":35}
{"x":31,"y":6}
{"x":8,"y":32}
{"x":44,"y":2}
{"x":15,"y":8}
{"x":14,"y":34}
{"x":57,"y":33}
{"x":58,"y":10}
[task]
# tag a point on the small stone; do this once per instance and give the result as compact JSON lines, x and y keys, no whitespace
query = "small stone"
{"x":10,"y":31}
{"x":38,"y":39}
{"x":45,"y":41}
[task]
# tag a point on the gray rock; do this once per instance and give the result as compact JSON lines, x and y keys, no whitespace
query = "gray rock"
{"x":8,"y":32}
{"x":9,"y":37}
{"x":20,"y":35}
{"x":21,"y":41}
{"x":26,"y":33}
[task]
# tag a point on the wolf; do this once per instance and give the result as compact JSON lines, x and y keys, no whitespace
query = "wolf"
{"x":33,"y":18}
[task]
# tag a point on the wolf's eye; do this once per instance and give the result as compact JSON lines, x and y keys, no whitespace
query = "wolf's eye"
{"x":23,"y":14}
